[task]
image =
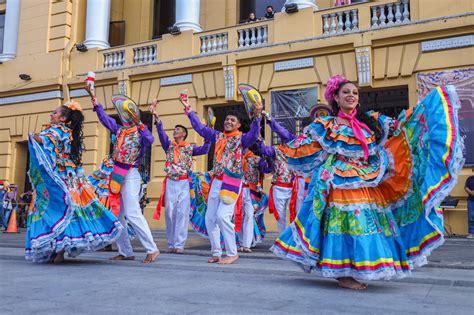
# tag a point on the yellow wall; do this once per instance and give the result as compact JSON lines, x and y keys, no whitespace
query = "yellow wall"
{"x":49,"y":29}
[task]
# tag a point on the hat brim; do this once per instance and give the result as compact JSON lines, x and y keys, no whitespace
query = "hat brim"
{"x":250,"y":96}
{"x":126,"y":108}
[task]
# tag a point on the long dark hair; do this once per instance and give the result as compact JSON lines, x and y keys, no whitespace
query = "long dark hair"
{"x":75,"y":121}
{"x":370,"y":121}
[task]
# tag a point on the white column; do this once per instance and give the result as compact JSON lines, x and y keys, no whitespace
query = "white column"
{"x":97,"y":24}
{"x":10,"y":33}
{"x":302,"y":4}
{"x":187,"y":15}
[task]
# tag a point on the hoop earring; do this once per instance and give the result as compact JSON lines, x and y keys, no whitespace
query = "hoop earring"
{"x":358,"y":105}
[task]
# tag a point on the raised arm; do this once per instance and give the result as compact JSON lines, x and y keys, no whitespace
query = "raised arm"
{"x":145,"y":135}
{"x":251,"y":137}
{"x":200,"y":150}
{"x":266,"y":150}
{"x":105,"y":119}
{"x":164,"y":139}
{"x":284,"y":134}
{"x":207,"y":133}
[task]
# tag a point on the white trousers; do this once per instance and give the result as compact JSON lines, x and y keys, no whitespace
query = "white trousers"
{"x":246,"y":234}
{"x":219,"y":220}
{"x":177,"y":205}
{"x":130,"y":210}
{"x":281,"y":198}
{"x":300,"y":197}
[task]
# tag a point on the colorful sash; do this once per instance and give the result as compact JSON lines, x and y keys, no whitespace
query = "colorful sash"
{"x":161,"y":202}
{"x":231,"y":183}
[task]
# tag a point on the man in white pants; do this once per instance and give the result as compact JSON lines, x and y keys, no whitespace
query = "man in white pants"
{"x":282,"y":189}
{"x":254,"y":166}
{"x":223,"y":194}
{"x":124,"y":189}
{"x":175,"y":193}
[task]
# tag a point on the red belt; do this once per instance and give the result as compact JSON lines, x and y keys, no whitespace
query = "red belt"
{"x":281,"y":184}
{"x":182,"y":177}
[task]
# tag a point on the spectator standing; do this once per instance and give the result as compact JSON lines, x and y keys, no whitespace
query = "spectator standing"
{"x":469,"y":188}
{"x":252,"y":18}
{"x":338,"y":3}
{"x":2,"y":209}
{"x":269,"y":14}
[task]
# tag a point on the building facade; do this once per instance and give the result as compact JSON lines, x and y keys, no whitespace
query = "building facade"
{"x":394,"y":49}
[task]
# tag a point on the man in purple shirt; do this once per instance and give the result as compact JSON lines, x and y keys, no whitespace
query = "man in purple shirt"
{"x":175,"y":194}
{"x":283,"y":186}
{"x":228,"y":154}
{"x":132,"y":140}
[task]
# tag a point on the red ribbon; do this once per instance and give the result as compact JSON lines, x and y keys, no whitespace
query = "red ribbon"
{"x":238,"y":213}
{"x":294,"y":198}
{"x":161,"y":202}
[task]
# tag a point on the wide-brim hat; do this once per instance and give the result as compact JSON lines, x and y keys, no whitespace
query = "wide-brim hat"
{"x":251,"y":96}
{"x":320,"y":110}
{"x":126,"y":109}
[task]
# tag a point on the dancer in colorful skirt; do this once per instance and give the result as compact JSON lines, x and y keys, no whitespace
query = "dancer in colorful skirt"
{"x":133,"y":137}
{"x":372,"y":211}
{"x":175,"y":195}
{"x":227,"y":177}
{"x":254,"y":167}
{"x":66,"y":217}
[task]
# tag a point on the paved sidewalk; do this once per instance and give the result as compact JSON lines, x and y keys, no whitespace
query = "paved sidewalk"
{"x":455,"y":253}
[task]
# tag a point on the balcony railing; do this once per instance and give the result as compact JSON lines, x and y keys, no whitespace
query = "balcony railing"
{"x":390,"y":14}
{"x":114,"y":59}
{"x":144,"y":54}
{"x":214,"y":43}
{"x":340,"y":22}
{"x":253,"y":36}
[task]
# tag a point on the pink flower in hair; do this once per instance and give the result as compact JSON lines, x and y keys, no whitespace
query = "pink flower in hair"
{"x":332,"y":86}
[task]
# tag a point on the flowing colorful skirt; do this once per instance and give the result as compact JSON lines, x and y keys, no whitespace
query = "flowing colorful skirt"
{"x":200,"y":185}
{"x":67,"y":214}
{"x":385,"y":230}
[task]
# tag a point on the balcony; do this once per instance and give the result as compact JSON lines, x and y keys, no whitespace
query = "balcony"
{"x":323,"y":24}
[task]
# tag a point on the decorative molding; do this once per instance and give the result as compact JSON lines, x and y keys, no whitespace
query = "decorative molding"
{"x":447,"y":43}
{"x":177,"y":79}
{"x":78,"y":93}
{"x":294,"y":64}
{"x":31,"y":97}
{"x":122,"y":87}
{"x":364,"y":65}
{"x":229,"y":81}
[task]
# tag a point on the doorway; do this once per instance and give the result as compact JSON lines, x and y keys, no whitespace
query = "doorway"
{"x":163,"y":16}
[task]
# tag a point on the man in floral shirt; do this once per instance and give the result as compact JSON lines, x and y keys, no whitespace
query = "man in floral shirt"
{"x":175,"y":195}
{"x":227,"y":178}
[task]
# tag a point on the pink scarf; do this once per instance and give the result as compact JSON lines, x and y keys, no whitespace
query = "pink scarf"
{"x":357,"y":126}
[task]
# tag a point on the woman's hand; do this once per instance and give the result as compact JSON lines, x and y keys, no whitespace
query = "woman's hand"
{"x":37,"y":138}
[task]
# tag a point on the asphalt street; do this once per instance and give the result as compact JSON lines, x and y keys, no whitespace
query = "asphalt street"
{"x":257,"y":283}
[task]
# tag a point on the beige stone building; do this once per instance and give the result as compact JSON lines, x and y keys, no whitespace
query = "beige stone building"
{"x":390,"y":47}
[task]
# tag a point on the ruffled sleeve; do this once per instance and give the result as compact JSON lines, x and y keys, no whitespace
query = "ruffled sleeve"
{"x":56,"y":139}
{"x":388,"y":124}
{"x":304,"y":154}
